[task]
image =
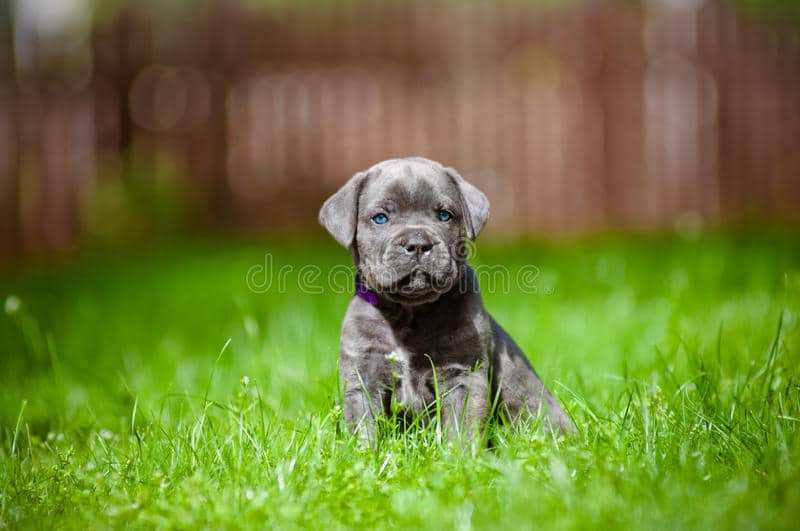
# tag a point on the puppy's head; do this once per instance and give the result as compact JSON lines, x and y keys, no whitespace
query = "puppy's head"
{"x":406,"y":222}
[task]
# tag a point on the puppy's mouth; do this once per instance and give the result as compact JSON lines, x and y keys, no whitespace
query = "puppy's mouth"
{"x":417,"y":287}
{"x":415,"y":284}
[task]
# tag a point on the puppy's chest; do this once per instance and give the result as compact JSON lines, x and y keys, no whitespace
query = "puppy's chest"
{"x":411,"y":385}
{"x":417,"y":376}
{"x":416,"y":379}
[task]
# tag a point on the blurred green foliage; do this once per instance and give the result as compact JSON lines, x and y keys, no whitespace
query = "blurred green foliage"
{"x":775,"y":8}
{"x":772,"y":9}
{"x":157,"y":203}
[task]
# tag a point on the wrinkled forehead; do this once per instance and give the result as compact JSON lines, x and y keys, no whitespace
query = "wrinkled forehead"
{"x":408,"y":184}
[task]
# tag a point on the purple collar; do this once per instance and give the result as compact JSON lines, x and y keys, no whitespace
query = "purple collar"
{"x":365,"y":293}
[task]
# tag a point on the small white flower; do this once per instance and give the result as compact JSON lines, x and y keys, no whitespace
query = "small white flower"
{"x":393,"y":357}
{"x":245,"y":381}
{"x":250,"y":326}
{"x":12,"y":304}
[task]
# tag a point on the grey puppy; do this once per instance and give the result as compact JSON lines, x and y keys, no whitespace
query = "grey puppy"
{"x":417,"y":329}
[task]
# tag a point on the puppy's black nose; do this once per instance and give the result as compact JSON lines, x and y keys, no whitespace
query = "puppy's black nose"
{"x":417,"y":243}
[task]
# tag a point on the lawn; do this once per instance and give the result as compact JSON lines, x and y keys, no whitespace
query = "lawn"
{"x":159,"y":387}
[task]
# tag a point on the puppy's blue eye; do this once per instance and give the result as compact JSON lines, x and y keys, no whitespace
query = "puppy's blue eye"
{"x":444,"y":215}
{"x":380,"y":219}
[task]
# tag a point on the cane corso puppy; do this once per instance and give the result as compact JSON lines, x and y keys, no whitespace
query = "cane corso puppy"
{"x":416,"y":329}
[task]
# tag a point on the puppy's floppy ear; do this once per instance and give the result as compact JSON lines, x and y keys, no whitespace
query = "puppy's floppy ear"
{"x":339,"y":214}
{"x":476,"y":205}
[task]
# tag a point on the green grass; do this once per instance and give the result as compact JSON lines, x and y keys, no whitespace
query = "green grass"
{"x":156,"y":389}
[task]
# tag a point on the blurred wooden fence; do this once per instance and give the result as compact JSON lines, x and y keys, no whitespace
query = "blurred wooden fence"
{"x":584,"y":115}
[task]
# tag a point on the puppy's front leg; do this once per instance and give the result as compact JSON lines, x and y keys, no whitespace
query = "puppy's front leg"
{"x":465,"y":405}
{"x":360,"y":416}
{"x":364,"y":397}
